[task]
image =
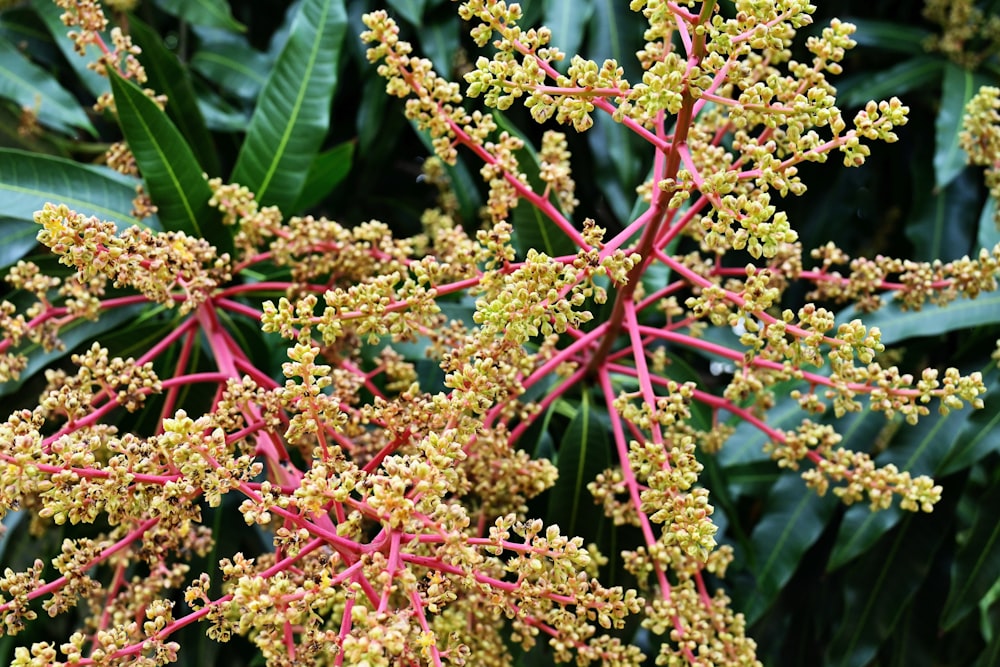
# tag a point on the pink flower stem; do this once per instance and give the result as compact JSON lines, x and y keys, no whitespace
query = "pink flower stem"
{"x":642,"y":372}
{"x":170,"y":400}
{"x":106,"y":553}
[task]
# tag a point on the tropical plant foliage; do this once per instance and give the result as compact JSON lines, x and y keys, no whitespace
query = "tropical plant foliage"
{"x":568,"y":360}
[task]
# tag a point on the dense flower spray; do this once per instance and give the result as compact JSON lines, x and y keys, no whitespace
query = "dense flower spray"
{"x":397,"y":509}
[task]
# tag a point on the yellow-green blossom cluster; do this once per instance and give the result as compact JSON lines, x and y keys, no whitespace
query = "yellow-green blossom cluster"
{"x":165,"y":266}
{"x":854,"y":474}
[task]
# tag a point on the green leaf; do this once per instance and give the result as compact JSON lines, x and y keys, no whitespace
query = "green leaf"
{"x":411,"y":10}
{"x":614,"y":154}
{"x":219,"y":114}
{"x":980,"y":435}
{"x":859,"y":530}
{"x":878,"y":589}
{"x":18,"y":240}
{"x":568,"y":20}
{"x":440,"y":40}
{"x":72,"y":334}
{"x":31,"y":87}
{"x":746,"y":444}
{"x":29,"y":180}
{"x":328,"y":170}
{"x":989,"y":232}
{"x":230,"y":63}
{"x":892,"y":36}
{"x":976,"y":567}
{"x":172,"y":174}
{"x":532,"y":229}
{"x":22,"y":27}
{"x":897,"y":324}
{"x":959,"y":86}
{"x":464,"y":185}
{"x":919,"y":449}
{"x":990,"y":657}
{"x":917,"y":73}
{"x":615,"y":32}
{"x":49,"y":12}
{"x":794,"y":518}
{"x":944,"y":220}
{"x":167,"y":76}
{"x":293,"y":112}
{"x":584,"y":452}
{"x":213,"y":13}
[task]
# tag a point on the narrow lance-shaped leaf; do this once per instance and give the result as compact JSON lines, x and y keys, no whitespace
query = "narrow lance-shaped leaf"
{"x":892,"y":36}
{"x":989,"y":232}
{"x":944,"y":219}
{"x":920,"y":449}
{"x":911,"y":74}
{"x":980,"y":435}
{"x":29,"y":180}
{"x":31,"y":87}
{"x":293,"y":111}
{"x":584,"y":452}
{"x":411,"y":10}
{"x":172,"y":174}
{"x":213,"y":13}
{"x":959,"y":86}
{"x":167,"y":76}
{"x":897,"y":324}
{"x":794,"y":518}
{"x":231,"y":64}
{"x":50,"y":14}
{"x":976,"y":567}
{"x":441,"y":39}
{"x":878,"y":589}
{"x":327,"y":171}
{"x":567,"y":19}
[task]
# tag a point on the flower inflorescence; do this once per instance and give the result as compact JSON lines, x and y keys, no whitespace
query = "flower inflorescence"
{"x":398,"y":506}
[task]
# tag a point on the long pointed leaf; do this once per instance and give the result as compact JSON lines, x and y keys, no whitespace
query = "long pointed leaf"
{"x":877,"y":590}
{"x":944,"y":219}
{"x":49,"y":12}
{"x":989,"y":232}
{"x":293,"y":113}
{"x":232,"y":65}
{"x":18,"y":240}
{"x":440,"y":39}
{"x":794,"y":518}
{"x":960,"y":85}
{"x":892,"y":36}
{"x":912,"y":74}
{"x":31,"y":87}
{"x":920,"y":449}
{"x":167,"y":76}
{"x":980,"y":435}
{"x":29,"y":180}
{"x":214,"y":13}
{"x":411,"y":10}
{"x":976,"y":567}
{"x":328,"y":170}
{"x":567,"y":20}
{"x":168,"y":166}
{"x":897,"y":324}
{"x":584,"y":452}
